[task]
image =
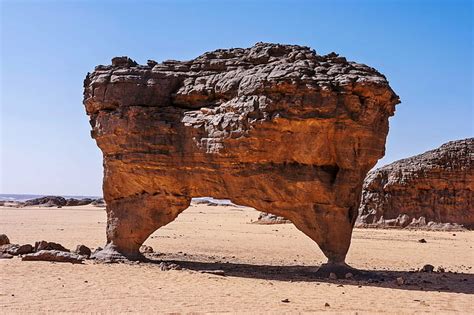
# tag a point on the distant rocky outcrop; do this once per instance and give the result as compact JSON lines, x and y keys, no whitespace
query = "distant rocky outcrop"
{"x":48,"y":201}
{"x":212,"y":202}
{"x":72,"y":202}
{"x":268,"y":218}
{"x":431,"y":190}
{"x":54,"y":201}
{"x":275,"y":127}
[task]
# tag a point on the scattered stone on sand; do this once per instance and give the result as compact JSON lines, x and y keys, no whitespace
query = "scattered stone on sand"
{"x":327,"y":304}
{"x":83,"y":250}
{"x":285,"y":301}
{"x":332,"y":276}
{"x":5,"y":255}
{"x":164,"y":266}
{"x":427,"y":268}
{"x":212,"y":202}
{"x":280,"y":125}
{"x":4,"y":240}
{"x":21,"y":249}
{"x":268,"y":218}
{"x":54,"y":255}
{"x":409,"y":193}
{"x":440,"y":269}
{"x":145,"y":249}
{"x":422,"y":240}
{"x":400,"y":281}
{"x":216,"y":272}
{"x":5,"y":248}
{"x":44,"y":245}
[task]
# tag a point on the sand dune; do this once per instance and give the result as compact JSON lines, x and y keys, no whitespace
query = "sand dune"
{"x":263,"y":265}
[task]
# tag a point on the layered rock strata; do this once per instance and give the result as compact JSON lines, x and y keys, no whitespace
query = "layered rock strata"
{"x":275,"y":127}
{"x":433,"y":190}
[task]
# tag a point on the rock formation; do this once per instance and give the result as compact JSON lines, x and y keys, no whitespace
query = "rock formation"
{"x":54,"y":201}
{"x":268,"y":218}
{"x":432,"y":188}
{"x":275,"y":127}
{"x":54,"y":255}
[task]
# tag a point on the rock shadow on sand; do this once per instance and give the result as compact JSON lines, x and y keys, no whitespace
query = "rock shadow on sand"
{"x":454,"y":282}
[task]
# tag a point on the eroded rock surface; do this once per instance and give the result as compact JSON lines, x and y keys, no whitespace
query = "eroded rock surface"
{"x":44,"y":245}
{"x":275,"y":127}
{"x":431,"y":190}
{"x":54,"y":255}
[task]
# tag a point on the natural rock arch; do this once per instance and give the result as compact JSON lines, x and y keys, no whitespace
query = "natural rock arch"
{"x":274,"y":127}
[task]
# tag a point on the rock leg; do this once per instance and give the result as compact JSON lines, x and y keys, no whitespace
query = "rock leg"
{"x":331,"y":228}
{"x":131,"y":220}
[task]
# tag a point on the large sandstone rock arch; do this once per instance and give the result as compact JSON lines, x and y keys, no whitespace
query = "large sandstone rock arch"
{"x":274,"y":127}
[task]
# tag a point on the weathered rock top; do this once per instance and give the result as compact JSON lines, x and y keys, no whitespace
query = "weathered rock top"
{"x":219,"y":76}
{"x":229,"y":91}
{"x":453,"y":156}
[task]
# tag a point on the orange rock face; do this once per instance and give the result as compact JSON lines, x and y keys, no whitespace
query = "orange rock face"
{"x":274,"y":127}
{"x":431,"y":190}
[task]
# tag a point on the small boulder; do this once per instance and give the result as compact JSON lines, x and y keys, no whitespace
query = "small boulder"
{"x":268,"y":218}
{"x":20,"y":249}
{"x":169,"y":266}
{"x":5,"y":248}
{"x":83,"y":250}
{"x":54,"y":255}
{"x":427,"y":268}
{"x":422,"y":240}
{"x":146,"y":249}
{"x":123,"y":61}
{"x":349,"y":275}
{"x":216,"y":272}
{"x":332,"y":276}
{"x":5,"y":256}
{"x":43,"y":245}
{"x":4,"y":239}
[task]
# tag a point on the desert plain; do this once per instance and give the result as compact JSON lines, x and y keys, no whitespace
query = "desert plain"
{"x":229,"y":264}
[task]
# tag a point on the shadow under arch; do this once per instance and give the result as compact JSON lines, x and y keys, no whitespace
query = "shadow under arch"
{"x":414,"y":281}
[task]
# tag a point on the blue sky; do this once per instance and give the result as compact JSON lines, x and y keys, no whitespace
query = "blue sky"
{"x":425,"y":48}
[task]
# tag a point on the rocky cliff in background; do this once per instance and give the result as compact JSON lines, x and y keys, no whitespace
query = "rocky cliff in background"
{"x":434,"y":189}
{"x":275,"y":127}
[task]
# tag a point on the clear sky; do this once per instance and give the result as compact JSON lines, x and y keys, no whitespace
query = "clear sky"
{"x":425,"y":48}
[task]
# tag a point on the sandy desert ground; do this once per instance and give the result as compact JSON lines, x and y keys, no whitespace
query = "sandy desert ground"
{"x":263,"y":265}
